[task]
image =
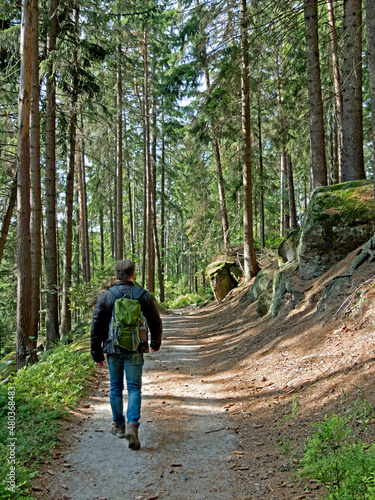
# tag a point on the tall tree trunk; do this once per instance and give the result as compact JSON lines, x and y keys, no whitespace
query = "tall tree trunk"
{"x":155,"y":235}
{"x":66,"y":315}
{"x":317,"y":144}
{"x":370,"y":24}
{"x":150,"y":268}
{"x":251,"y":266}
{"x":283,"y":225}
{"x":352,"y":153}
{"x":84,"y":241}
{"x":119,"y":208}
{"x":25,"y":344}
{"x":101,"y":228}
{"x":260,"y":145}
{"x":11,"y":202}
{"x":35,"y":177}
{"x":292,"y":200}
{"x":52,"y":317}
{"x":162,"y":201}
{"x":83,"y":190}
{"x":336,"y":79}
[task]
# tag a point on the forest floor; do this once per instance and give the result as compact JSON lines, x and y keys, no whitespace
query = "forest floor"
{"x":228,"y":402}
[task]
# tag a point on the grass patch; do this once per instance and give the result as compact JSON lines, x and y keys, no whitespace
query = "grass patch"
{"x":41,"y":394}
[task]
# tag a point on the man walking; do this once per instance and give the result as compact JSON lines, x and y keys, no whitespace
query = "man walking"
{"x":121,"y":360}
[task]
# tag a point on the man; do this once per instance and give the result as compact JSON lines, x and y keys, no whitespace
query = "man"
{"x":119,"y":359}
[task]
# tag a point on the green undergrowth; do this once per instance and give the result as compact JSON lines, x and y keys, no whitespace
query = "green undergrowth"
{"x":41,"y":394}
{"x":338,"y":458}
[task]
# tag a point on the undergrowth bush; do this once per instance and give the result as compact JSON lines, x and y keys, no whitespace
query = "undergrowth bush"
{"x":43,"y":394}
{"x":337,"y":458}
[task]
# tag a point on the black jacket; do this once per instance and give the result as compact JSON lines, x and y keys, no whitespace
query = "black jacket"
{"x":103,"y":313}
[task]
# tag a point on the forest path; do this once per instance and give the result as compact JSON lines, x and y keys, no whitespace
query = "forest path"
{"x":188,"y":446}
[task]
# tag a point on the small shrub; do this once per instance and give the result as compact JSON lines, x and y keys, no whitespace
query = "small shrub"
{"x":338,"y":459}
{"x":43,"y":393}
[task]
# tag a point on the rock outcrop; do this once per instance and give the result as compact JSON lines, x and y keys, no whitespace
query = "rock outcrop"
{"x":221,"y":278}
{"x":338,"y":220}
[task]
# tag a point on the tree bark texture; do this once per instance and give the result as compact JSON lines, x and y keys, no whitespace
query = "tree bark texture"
{"x":11,"y":203}
{"x":81,"y":194}
{"x":317,"y":142}
{"x":250,"y":264}
{"x":119,"y":209}
{"x":292,"y":199}
{"x":370,"y":24}
{"x":352,"y":154}
{"x":66,"y":315}
{"x":35,"y":175}
{"x":260,"y":145}
{"x":336,"y":79}
{"x":24,"y":344}
{"x":52,"y":317}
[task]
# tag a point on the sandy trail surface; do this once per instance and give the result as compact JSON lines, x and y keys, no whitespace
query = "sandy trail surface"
{"x":188,"y":445}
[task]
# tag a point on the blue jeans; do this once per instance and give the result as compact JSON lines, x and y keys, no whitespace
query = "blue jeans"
{"x":132,"y":364}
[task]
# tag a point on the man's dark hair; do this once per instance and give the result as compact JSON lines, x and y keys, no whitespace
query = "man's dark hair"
{"x":124,"y":269}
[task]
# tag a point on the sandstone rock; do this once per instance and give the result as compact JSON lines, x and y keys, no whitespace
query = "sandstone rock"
{"x":264,"y":303}
{"x":221,"y":279}
{"x":338,"y":220}
{"x":287,"y":250}
{"x":262,"y":283}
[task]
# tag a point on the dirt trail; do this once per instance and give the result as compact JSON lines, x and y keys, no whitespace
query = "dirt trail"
{"x":188,"y":443}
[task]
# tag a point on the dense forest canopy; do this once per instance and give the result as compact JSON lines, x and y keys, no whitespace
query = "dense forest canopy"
{"x":169,"y":133}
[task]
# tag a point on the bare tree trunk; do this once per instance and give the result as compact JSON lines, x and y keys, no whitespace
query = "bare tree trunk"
{"x":25,"y":345}
{"x":52,"y":316}
{"x":119,"y":208}
{"x":35,"y":178}
{"x":336,"y":79}
{"x":250,"y":262}
{"x":66,"y":315}
{"x":370,"y":23}
{"x":262,"y":232}
{"x":352,"y":154}
{"x":317,"y":144}
{"x":292,"y":200}
{"x":150,"y":268}
{"x":101,"y":228}
{"x":11,"y":202}
{"x":84,"y":197}
{"x":84,"y":241}
{"x":282,"y":191}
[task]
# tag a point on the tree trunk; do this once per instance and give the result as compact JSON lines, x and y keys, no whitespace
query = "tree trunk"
{"x":336,"y":79}
{"x":66,"y":315}
{"x":11,"y":202}
{"x":251,"y":266}
{"x":25,"y":345}
{"x":352,"y":154}
{"x":150,"y":268}
{"x":292,"y":200}
{"x":283,"y":224}
{"x":119,"y":208}
{"x":101,"y":228}
{"x":84,"y":198}
{"x":84,"y":242}
{"x":52,"y":317}
{"x":35,"y":178}
{"x":370,"y":24}
{"x":262,"y":232}
{"x":317,"y":145}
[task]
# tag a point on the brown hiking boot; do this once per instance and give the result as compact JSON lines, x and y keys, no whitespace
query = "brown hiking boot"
{"x":118,"y":430}
{"x":132,"y":436}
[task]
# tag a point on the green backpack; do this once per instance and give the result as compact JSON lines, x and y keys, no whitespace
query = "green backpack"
{"x":127,"y":319}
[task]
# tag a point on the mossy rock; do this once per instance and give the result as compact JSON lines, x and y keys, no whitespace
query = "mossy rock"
{"x":264,"y":303}
{"x":338,"y":220}
{"x":221,"y":279}
{"x":283,"y":293}
{"x":262,"y":283}
{"x":287,"y":250}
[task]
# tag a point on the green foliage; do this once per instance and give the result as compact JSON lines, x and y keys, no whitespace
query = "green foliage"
{"x":337,"y":458}
{"x":43,"y":393}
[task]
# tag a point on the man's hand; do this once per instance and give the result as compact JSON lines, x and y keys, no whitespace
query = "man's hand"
{"x":98,"y":363}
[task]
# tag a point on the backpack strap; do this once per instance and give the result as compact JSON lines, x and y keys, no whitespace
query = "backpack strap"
{"x":135,"y":292}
